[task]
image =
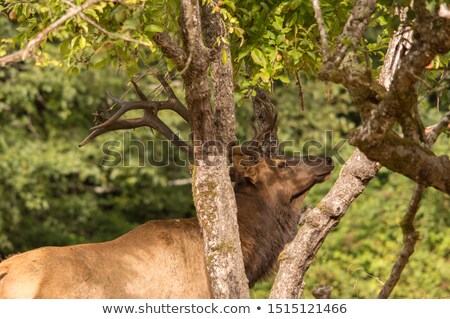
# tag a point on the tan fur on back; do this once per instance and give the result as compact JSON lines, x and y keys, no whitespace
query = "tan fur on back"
{"x":91,"y":270}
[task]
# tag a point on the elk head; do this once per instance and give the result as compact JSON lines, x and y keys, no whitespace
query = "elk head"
{"x":269,"y":191}
{"x":290,"y":177}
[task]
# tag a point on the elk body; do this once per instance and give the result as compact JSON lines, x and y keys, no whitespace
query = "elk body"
{"x":165,"y":259}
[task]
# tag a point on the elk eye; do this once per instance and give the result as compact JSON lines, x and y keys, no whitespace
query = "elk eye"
{"x":282,"y":165}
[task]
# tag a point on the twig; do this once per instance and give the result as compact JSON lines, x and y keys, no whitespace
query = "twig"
{"x":300,"y":91}
{"x":188,"y":15}
{"x":109,"y":33}
{"x":26,"y":52}
{"x":322,"y":31}
{"x":318,"y":222}
{"x":354,"y":28}
{"x":410,"y":237}
{"x":433,"y":132}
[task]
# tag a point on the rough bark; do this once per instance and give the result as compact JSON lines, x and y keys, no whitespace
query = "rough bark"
{"x":353,"y":29}
{"x":218,"y":220}
{"x":412,"y":160}
{"x":221,"y":75}
{"x":213,"y":193}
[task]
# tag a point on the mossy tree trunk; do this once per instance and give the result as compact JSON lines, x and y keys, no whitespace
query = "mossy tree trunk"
{"x":213,"y":128}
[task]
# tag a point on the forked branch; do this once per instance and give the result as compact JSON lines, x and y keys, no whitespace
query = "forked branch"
{"x":149,"y":119}
{"x":322,"y":30}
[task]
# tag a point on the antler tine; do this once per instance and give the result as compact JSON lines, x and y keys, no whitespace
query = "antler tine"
{"x":166,"y":86}
{"x":138,"y":91}
{"x":177,"y":106}
{"x":117,"y":125}
{"x":267,"y":116}
{"x":252,"y":152}
{"x":262,"y":98}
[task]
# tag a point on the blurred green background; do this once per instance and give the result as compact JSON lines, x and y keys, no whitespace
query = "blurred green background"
{"x":54,"y":193}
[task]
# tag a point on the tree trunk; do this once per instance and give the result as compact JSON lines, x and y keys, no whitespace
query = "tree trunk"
{"x":211,"y":185}
{"x":216,"y":209}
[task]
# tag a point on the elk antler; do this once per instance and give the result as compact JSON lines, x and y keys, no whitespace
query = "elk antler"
{"x":149,"y":119}
{"x":264,"y":138}
{"x":265,"y":132}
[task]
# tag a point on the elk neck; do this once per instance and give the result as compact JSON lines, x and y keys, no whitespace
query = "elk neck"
{"x":265,"y":226}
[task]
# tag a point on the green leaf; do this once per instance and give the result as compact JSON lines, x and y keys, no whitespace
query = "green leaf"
{"x":258,"y":57}
{"x":102,"y":63}
{"x":131,"y":24}
{"x":64,"y":47}
{"x":265,"y":76}
{"x":230,"y":4}
{"x":278,"y":24}
{"x":283,"y":78}
{"x":394,"y":23}
{"x":153,"y":28}
{"x":224,"y":56}
{"x":243,"y":53}
{"x":82,"y":42}
{"x":74,"y":71}
{"x":74,"y":40}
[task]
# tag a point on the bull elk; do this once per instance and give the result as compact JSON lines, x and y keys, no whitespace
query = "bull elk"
{"x":165,"y":258}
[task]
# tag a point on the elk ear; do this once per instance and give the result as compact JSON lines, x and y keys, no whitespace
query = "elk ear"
{"x":245,"y":166}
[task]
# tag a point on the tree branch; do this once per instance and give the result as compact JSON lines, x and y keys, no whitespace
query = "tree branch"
{"x":434,"y":131}
{"x":322,"y":30}
{"x":213,"y":194}
{"x":410,"y":237}
{"x":171,"y":49}
{"x":353,"y":30}
{"x":431,"y":37}
{"x":221,"y":73}
{"x":109,"y":33}
{"x":412,"y":160}
{"x":380,"y":110}
{"x":28,"y":50}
